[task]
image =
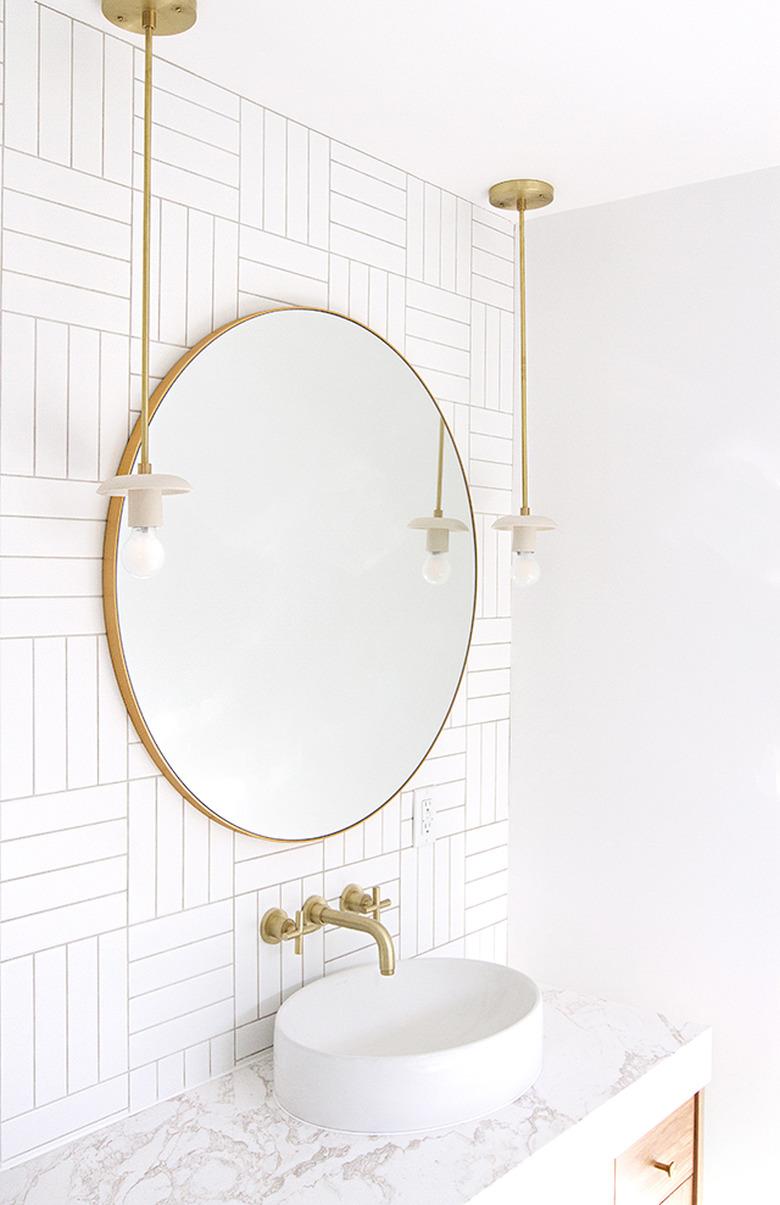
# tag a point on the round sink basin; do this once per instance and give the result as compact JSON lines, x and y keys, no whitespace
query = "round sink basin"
{"x":443,"y":1040}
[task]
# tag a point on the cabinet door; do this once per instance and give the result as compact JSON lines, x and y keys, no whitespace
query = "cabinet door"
{"x":660,"y":1163}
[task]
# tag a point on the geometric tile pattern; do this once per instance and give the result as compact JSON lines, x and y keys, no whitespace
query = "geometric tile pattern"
{"x":130,"y":965}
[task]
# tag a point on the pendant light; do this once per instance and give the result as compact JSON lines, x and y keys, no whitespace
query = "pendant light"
{"x":143,"y":554}
{"x":436,"y":567}
{"x":523,"y":195}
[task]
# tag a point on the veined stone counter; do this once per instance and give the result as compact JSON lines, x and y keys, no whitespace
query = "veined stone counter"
{"x":610,"y":1073}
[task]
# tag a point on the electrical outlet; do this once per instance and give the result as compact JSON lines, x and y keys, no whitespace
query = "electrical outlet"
{"x":424,"y":818}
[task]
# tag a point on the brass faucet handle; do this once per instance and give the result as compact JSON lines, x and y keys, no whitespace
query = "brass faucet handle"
{"x":302,"y":926}
{"x":355,"y":899}
{"x":277,"y":926}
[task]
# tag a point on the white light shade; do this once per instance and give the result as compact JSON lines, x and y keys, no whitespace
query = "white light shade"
{"x":142,"y":553}
{"x":166,"y":483}
{"x":437,"y":568}
{"x":525,"y":569}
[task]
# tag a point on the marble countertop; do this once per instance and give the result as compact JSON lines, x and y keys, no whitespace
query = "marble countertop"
{"x":228,"y":1143}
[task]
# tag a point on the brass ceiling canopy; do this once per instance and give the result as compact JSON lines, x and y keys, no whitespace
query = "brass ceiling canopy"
{"x":172,"y":16}
{"x":521,"y":194}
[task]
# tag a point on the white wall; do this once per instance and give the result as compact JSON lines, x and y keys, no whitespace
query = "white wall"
{"x":646,"y":664}
{"x":130,"y":965}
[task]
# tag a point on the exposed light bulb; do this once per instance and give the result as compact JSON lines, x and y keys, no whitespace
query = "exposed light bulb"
{"x":143,"y":554}
{"x":437,"y":568}
{"x":525,"y":569}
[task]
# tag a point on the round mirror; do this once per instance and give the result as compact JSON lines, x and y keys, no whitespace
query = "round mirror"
{"x":290,"y":667}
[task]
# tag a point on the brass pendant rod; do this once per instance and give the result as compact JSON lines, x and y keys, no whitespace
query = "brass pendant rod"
{"x":525,"y":508}
{"x":437,"y":514}
{"x":149,"y":26}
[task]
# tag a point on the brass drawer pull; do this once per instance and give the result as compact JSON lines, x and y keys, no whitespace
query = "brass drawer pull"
{"x":664,"y":1167}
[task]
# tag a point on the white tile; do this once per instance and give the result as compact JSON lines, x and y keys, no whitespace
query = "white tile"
{"x":118,"y":111}
{"x":112,"y":998}
{"x":368,"y":165}
{"x":83,"y":404}
{"x":489,"y":887}
{"x":82,"y":742}
{"x":50,"y":715}
{"x":457,"y":884}
{"x":178,"y":149}
{"x":197,"y":1064}
{"x":153,"y":937}
{"x":112,"y":725}
{"x":274,"y":173}
{"x":56,"y":888}
{"x":61,"y":810}
{"x":189,"y":117}
{"x":87,"y":93}
{"x":278,"y":868}
{"x":487,"y":862}
{"x":191,"y":87}
{"x":482,"y":915}
{"x":16,"y":718}
{"x":196,"y":857}
{"x":252,"y":1038}
{"x":425,"y":897}
{"x":65,"y":1117}
{"x":491,"y":836}
{"x":200,"y":282}
{"x":169,"y":849}
{"x":50,"y":1026}
{"x":463,"y":248}
{"x":495,"y":707}
{"x":21,"y":77}
{"x":51,"y":396}
{"x":196,"y":1026}
{"x":52,"y":182}
{"x":437,"y":301}
{"x":54,"y":134}
{"x":178,"y":999}
{"x":143,"y":1087}
{"x":492,"y":292}
{"x":180,"y":963}
{"x":114,"y":399}
{"x":319,"y":190}
{"x":17,"y":1037}
{"x":431,"y":235}
{"x":297,"y":181}
{"x":414,"y":228}
{"x":275,"y":252}
{"x":441,"y":892}
{"x":170,"y":1075}
{"x":367,"y":249}
{"x":221,"y":1053}
{"x":251,"y":179}
{"x":17,"y":416}
{"x":61,"y":925}
{"x":345,"y":211}
{"x":225,"y":284}
{"x":65,"y":303}
{"x":246,"y":956}
{"x":388,"y":198}
{"x":270,"y":958}
{"x":82,"y":972}
{"x":221,"y":884}
{"x":289,"y":288}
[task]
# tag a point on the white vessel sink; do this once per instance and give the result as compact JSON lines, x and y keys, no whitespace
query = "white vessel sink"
{"x":443,"y":1040}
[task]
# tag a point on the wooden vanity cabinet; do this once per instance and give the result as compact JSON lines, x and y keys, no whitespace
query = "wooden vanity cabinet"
{"x":664,"y":1166}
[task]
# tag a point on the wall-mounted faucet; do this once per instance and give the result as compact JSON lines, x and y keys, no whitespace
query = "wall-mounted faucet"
{"x":358,"y":909}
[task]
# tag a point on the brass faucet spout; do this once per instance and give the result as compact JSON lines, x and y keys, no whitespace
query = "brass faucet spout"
{"x":321,"y":914}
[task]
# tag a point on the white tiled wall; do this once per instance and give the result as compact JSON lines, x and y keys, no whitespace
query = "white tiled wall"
{"x":129,"y":960}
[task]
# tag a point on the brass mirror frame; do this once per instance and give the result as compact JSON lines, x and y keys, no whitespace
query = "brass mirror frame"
{"x":110,"y":562}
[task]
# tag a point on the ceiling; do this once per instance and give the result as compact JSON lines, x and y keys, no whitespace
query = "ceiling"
{"x":608,"y":99}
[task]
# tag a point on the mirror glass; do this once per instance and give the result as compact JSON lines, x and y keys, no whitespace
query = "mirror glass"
{"x":290,"y":668}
